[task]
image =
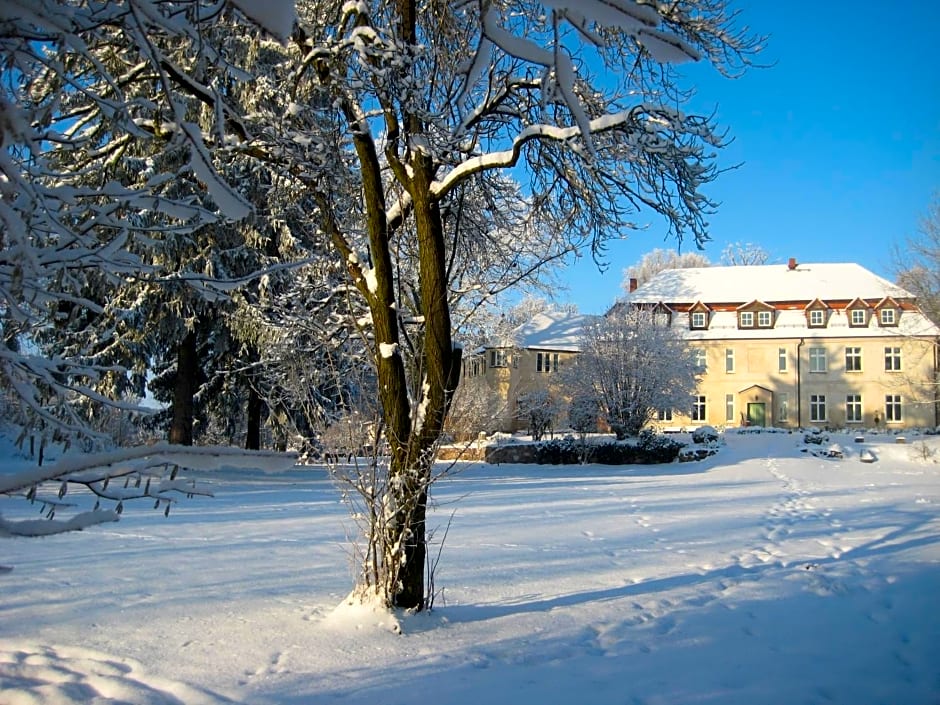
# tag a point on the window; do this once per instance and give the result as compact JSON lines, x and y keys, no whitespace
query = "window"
{"x":893,"y":408}
{"x":729,"y":360}
{"x":859,"y":318}
{"x":747,"y":319}
{"x":888,"y":317}
{"x":782,"y":359}
{"x":699,"y":319}
{"x":892,"y":359}
{"x":765,"y":319}
{"x":853,"y":408}
{"x":665,"y":414}
{"x":853,"y":359}
{"x":783,"y":407}
{"x":546,"y":362}
{"x":817,"y":407}
{"x":817,"y":359}
{"x":698,"y":408}
{"x":497,"y":358}
{"x":729,"y":407}
{"x":661,"y":318}
{"x":817,"y":318}
{"x":700,"y":360}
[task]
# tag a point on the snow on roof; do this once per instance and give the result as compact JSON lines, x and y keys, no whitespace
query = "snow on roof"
{"x":772,"y":282}
{"x":552,"y":330}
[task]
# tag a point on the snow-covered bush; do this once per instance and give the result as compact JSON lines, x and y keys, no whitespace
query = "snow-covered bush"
{"x":705,"y":434}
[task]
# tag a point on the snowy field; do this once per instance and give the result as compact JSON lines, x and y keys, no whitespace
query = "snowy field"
{"x":760,"y":576}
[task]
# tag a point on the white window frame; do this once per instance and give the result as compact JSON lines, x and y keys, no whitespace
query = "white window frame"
{"x":818,"y":362}
{"x":892,"y":359}
{"x":729,"y":407}
{"x":700,"y":360}
{"x":729,"y":360}
{"x":546,"y":362}
{"x":699,"y":319}
{"x":765,"y":319}
{"x":783,"y":360}
{"x":853,"y":408}
{"x":817,"y":318}
{"x":699,"y":408}
{"x":499,"y":358}
{"x":888,"y":317}
{"x":664,"y":414}
{"x":859,"y":317}
{"x":817,"y":408}
{"x":747,"y":319}
{"x":853,"y":358}
{"x":893,"y":408}
{"x":783,"y":407}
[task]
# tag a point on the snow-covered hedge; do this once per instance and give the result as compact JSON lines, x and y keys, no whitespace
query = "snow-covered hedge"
{"x":648,"y":449}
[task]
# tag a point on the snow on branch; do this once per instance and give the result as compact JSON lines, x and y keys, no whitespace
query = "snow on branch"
{"x":49,"y":527}
{"x":128,"y":460}
{"x":508,"y":157}
{"x":555,"y":53}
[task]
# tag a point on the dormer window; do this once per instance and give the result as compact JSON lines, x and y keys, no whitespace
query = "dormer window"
{"x":889,"y":317}
{"x":817,"y":318}
{"x":858,"y":318}
{"x":746,"y":319}
{"x":699,"y":316}
{"x":765,"y":319}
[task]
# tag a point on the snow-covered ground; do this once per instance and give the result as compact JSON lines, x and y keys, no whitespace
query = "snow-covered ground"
{"x":762,"y":575}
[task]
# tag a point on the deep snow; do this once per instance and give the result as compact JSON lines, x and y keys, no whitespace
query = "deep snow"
{"x":760,"y":575}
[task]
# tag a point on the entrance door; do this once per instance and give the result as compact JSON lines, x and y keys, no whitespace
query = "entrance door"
{"x":756,"y":414}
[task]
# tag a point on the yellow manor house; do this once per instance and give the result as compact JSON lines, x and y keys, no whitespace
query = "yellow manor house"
{"x":791,"y":345}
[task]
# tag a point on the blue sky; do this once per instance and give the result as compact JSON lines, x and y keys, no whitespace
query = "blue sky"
{"x":838,"y":141}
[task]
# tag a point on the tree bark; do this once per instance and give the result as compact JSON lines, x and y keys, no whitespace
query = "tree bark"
{"x":254,"y":412}
{"x":184,"y":389}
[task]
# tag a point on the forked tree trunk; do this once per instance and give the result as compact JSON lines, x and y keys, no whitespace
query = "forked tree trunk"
{"x":411,"y":440}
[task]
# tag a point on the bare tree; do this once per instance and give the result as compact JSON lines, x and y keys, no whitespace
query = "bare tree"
{"x":635,"y":366}
{"x":538,"y":409}
{"x":424,"y":105}
{"x":917,"y":263}
{"x":744,"y":254}
{"x":657,"y":261}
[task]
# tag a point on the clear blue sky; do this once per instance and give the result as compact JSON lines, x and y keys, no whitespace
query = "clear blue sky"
{"x":838,"y":141}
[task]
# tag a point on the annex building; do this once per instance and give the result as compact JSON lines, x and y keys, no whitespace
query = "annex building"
{"x":786,"y":345}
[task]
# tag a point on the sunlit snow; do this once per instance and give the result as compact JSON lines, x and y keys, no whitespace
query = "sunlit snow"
{"x":763,"y":574}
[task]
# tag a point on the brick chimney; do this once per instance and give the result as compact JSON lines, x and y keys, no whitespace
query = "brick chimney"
{"x":791,"y":265}
{"x":633,"y":284}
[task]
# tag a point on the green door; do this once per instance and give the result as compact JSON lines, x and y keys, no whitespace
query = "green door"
{"x":756,"y":414}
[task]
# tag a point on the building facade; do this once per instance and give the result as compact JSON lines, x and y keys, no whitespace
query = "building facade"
{"x":510,"y":373}
{"x":827,"y":345}
{"x":799,"y":346}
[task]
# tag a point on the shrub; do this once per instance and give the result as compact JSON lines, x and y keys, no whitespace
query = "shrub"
{"x":650,"y":449}
{"x":815,"y":437}
{"x":705,"y":434}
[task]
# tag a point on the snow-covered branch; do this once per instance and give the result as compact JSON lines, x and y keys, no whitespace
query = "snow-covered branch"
{"x":140,"y":467}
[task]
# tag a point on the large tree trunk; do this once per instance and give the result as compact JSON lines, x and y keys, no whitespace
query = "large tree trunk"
{"x":255,"y":410}
{"x":412,"y":435}
{"x":184,"y":389}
